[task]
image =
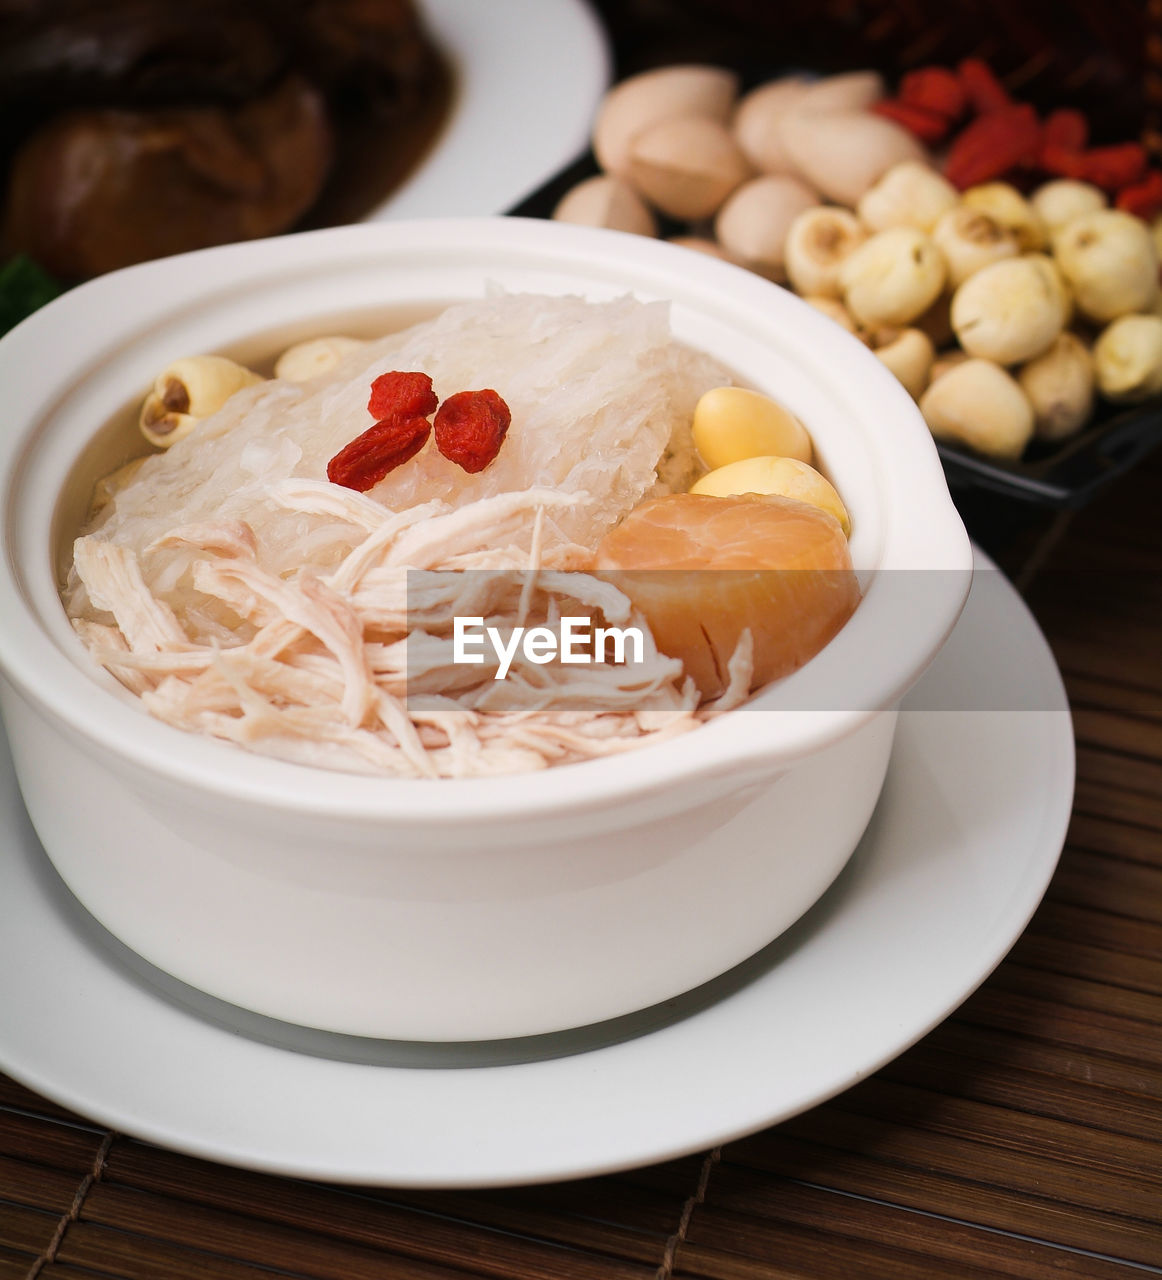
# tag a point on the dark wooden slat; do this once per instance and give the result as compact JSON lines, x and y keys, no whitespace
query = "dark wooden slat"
{"x":741,"y":1249}
{"x":13,"y":1094}
{"x":1005,"y":1048}
{"x":101,"y":1251}
{"x":1101,"y":558}
{"x":26,"y":1229}
{"x":1113,"y":731}
{"x":929,"y":1067}
{"x":1125,"y":1038}
{"x":1079,"y":960}
{"x":1093,"y":872}
{"x":1120,"y":841}
{"x":15,"y":1265}
{"x":1086,"y":651}
{"x":1038,"y":1171}
{"x":1117,"y":615}
{"x":603,"y":1216}
{"x":1081,"y":658}
{"x":1112,"y":884}
{"x":366,"y":1236}
{"x":1010,"y":1130}
{"x":1113,"y":548}
{"x":625,"y":1200}
{"x":49,"y":1142}
{"x":773,"y":1204}
{"x":1120,"y":647}
{"x":55,"y":1271}
{"x":1079,"y":993}
{"x":1112,"y":695}
{"x":1118,"y":772}
{"x":578,"y":1223}
{"x":1133,"y":808}
{"x":1099,"y":929}
{"x":1114,"y":607}
{"x":934,"y":1191}
{"x":671,"y":1177}
{"x":37,"y":1186}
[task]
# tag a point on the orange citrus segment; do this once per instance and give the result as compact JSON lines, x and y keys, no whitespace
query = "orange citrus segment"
{"x":703,"y":569}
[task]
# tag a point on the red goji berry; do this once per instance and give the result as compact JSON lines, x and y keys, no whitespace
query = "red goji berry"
{"x":984,"y":91}
{"x":921,"y":123}
{"x":992,"y":145}
{"x":380,"y":449}
{"x":1112,"y":168}
{"x":1142,"y":199}
{"x":1062,"y":162}
{"x":470,"y":427}
{"x":1065,"y":128}
{"x":934,"y":89}
{"x":402,"y":395}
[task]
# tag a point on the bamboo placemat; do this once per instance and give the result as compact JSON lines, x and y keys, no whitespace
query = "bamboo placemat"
{"x":1022,"y":1138}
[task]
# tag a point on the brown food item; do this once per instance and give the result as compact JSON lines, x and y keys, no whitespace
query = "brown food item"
{"x":98,"y":190}
{"x":135,"y":128}
{"x":703,"y":569}
{"x":59,"y":54}
{"x":371,"y":50}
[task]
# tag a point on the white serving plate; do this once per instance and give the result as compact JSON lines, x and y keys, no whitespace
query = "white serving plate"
{"x":959,"y":852}
{"x":528,"y":75}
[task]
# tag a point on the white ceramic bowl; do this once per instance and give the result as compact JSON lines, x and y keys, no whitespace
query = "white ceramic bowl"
{"x":456,"y":910}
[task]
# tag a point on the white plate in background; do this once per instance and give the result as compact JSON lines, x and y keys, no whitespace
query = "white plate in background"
{"x":527,"y":78}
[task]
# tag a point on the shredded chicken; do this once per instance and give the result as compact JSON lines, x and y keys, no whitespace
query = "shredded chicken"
{"x":355,"y":669}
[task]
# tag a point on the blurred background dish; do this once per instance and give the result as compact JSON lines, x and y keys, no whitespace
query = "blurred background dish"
{"x":134,"y":129}
{"x":1094,"y":73}
{"x":1102,"y":59}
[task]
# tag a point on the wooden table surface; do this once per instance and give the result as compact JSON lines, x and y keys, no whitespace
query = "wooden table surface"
{"x":1021,"y":1138}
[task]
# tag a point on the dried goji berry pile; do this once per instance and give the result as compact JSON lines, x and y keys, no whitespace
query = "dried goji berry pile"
{"x":990,"y":135}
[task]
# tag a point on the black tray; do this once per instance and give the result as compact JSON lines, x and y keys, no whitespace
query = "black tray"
{"x":1057,"y":477}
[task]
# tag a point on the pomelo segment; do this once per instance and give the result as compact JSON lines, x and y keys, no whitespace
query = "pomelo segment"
{"x":703,"y":569}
